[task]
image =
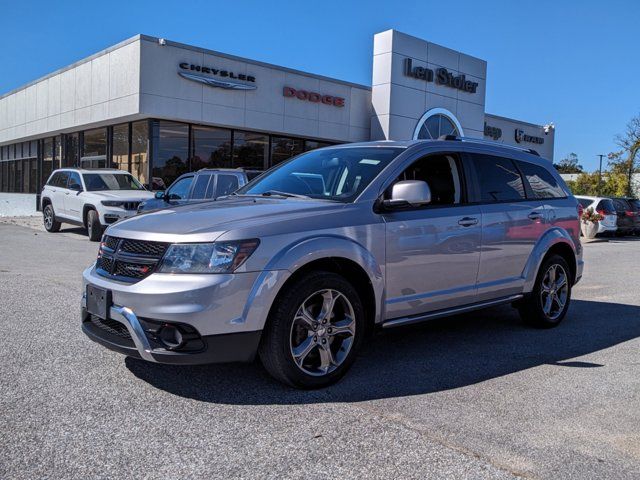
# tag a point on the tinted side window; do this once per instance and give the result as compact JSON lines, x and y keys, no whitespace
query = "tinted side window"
{"x":621,"y":205}
{"x":606,"y":206}
{"x":542,"y":183}
{"x":59,"y":180}
{"x":499,"y":179}
{"x":442,"y":174}
{"x":226,"y":184}
{"x":180,"y":189}
{"x":585,"y":202}
{"x":74,"y":179}
{"x":200,"y":187}
{"x":54,"y":179}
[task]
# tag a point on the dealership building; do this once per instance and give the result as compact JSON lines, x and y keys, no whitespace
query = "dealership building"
{"x":158,"y":109}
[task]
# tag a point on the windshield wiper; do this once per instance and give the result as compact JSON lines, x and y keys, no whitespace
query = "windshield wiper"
{"x":277,"y":193}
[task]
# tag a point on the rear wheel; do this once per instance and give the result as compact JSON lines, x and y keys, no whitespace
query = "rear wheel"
{"x":94,"y":228}
{"x":547,"y":304}
{"x":314,"y":331}
{"x":49,"y":219}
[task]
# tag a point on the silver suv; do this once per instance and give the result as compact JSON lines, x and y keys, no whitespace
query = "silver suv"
{"x":300,"y":265}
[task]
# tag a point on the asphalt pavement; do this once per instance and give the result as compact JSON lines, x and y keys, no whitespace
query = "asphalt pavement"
{"x":475,"y":396}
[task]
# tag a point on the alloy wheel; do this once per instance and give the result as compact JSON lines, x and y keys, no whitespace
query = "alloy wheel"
{"x":48,"y":217}
{"x":554,"y":291}
{"x":322,"y":332}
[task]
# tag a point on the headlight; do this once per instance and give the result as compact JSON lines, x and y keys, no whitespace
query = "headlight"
{"x":217,"y":257}
{"x":112,"y":203}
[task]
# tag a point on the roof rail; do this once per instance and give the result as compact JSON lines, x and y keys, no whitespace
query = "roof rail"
{"x":488,"y":142}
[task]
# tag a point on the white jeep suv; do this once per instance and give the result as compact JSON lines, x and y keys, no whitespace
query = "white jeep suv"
{"x":90,"y":198}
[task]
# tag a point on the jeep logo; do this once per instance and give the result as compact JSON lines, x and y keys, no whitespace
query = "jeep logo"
{"x":492,"y":132}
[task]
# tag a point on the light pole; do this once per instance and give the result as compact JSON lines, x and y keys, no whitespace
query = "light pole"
{"x":600,"y":174}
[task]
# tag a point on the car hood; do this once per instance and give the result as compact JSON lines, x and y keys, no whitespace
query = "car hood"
{"x":131,"y":195}
{"x":206,"y":221}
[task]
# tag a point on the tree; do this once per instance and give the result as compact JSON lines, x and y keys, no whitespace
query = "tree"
{"x":624,"y":162}
{"x":613,"y":184}
{"x":569,"y":164}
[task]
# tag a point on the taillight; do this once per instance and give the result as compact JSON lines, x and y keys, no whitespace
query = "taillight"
{"x":602,"y":212}
{"x":628,"y":213}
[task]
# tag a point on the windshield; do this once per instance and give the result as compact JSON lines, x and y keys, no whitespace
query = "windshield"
{"x":339,"y":174}
{"x":110,"y":181}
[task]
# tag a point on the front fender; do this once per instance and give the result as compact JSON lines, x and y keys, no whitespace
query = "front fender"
{"x":295,"y":256}
{"x":550,"y":238}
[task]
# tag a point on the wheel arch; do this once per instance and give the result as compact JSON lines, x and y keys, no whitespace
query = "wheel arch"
{"x":335,"y":254}
{"x":85,"y":212}
{"x":554,"y":241}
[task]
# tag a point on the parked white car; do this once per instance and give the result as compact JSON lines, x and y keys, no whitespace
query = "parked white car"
{"x":90,"y":198}
{"x":603,"y":206}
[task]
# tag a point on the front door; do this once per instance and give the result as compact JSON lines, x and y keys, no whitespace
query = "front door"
{"x":433,"y":252}
{"x":74,"y":201}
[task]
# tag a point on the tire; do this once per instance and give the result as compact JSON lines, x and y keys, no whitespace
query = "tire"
{"x":94,"y":228}
{"x":547,"y":305}
{"x":51,"y":225}
{"x":324,"y":354}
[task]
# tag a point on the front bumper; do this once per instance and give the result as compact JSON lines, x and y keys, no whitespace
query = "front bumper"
{"x":215,"y":309}
{"x":112,"y":215}
{"x":233,"y":347}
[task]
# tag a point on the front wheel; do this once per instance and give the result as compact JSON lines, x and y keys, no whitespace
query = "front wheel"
{"x":94,"y":228}
{"x":547,"y":304}
{"x":313,"y":332}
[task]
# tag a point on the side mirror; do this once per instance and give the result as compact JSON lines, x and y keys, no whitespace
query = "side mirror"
{"x":160,"y":195}
{"x":409,"y":193}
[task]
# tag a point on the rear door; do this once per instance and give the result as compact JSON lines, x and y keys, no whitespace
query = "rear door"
{"x":560,"y":209}
{"x":511,"y":225}
{"x":58,"y":189}
{"x":200,"y":186}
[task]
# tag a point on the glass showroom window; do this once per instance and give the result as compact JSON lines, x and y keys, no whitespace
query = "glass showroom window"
{"x":95,"y":149}
{"x":173,"y":153}
{"x":313,"y":144}
{"x":47,"y":160}
{"x":250,"y":150}
{"x":283,"y":148}
{"x":120,"y":147}
{"x":72,"y":150}
{"x":139,"y":152}
{"x":211,"y":148}
{"x":435,"y":123}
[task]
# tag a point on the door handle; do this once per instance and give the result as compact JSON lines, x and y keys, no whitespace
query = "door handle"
{"x":535,"y":216}
{"x":468,"y":221}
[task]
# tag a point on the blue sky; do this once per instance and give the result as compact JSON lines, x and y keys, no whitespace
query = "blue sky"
{"x":573,"y":63}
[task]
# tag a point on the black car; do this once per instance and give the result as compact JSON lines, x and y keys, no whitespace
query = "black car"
{"x":205,"y":184}
{"x":627,"y":217}
{"x":634,"y":205}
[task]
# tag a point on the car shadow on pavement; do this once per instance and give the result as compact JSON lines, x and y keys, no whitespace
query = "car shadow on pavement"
{"x":435,"y":356}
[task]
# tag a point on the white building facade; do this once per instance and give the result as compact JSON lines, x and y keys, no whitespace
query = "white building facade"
{"x":159,"y":109}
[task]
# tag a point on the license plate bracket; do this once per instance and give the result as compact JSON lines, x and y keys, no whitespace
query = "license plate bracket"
{"x":98,"y":301}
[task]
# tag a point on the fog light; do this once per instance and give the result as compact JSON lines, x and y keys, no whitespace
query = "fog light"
{"x":171,"y":337}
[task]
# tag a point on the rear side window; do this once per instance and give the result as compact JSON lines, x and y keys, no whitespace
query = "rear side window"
{"x":606,"y":206}
{"x":200,"y":187}
{"x":542,"y":183}
{"x":226,"y":184}
{"x":620,"y":205}
{"x":499,"y":179}
{"x":585,"y":202}
{"x":59,"y":179}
